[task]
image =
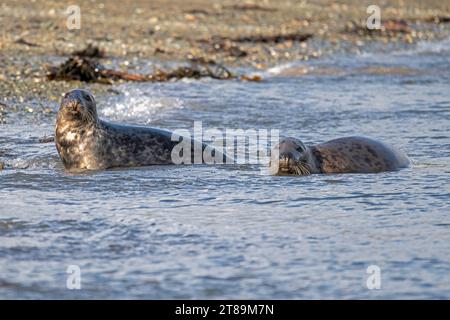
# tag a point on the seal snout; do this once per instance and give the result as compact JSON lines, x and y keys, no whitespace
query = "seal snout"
{"x":72,"y":100}
{"x":286,"y":161}
{"x":285,"y":164}
{"x":78,"y":103}
{"x":290,"y":157}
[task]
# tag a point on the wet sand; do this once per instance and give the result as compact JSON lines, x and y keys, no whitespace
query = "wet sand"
{"x":234,"y":33}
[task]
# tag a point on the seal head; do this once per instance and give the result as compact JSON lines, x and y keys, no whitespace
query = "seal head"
{"x":78,"y":106}
{"x":292,"y":157}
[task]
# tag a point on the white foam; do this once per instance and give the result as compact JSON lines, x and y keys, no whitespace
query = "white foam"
{"x":424,"y":47}
{"x":279,"y":68}
{"x":139,"y":105}
{"x":434,"y":47}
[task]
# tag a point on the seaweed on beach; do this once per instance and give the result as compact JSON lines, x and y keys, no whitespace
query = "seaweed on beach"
{"x":438,"y":19}
{"x":218,"y":44}
{"x":90,"y":51}
{"x":26,"y":43}
{"x":252,"y":7}
{"x":80,"y":69}
{"x":232,"y":48}
{"x":276,"y":38}
{"x":89,"y":70}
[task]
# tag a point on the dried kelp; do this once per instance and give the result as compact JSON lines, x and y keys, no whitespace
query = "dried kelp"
{"x":438,"y":19}
{"x":230,"y":46}
{"x":26,"y":43}
{"x":217,"y":44}
{"x":276,"y":38}
{"x":252,"y":7}
{"x":89,"y":70}
{"x":80,"y":69}
{"x":90,"y":51}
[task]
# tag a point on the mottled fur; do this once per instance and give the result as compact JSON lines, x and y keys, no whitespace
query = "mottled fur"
{"x":84,"y":142}
{"x":343,"y":155}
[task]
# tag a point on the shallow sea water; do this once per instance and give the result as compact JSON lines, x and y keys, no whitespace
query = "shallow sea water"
{"x":234,"y":231}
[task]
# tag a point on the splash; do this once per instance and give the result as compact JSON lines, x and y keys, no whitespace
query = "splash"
{"x":138,"y":105}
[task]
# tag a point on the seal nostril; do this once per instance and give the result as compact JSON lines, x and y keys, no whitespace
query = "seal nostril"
{"x":286,"y":160}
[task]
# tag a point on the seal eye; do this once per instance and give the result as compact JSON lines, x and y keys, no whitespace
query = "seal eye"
{"x":88,"y":98}
{"x":300,"y":149}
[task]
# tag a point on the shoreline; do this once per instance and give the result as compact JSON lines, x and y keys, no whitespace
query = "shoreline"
{"x":253,"y":35}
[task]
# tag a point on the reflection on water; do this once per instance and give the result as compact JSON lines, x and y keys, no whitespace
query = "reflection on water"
{"x":230,"y":231}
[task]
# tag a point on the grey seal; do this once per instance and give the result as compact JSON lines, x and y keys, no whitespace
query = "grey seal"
{"x":85,"y":142}
{"x":344,"y":155}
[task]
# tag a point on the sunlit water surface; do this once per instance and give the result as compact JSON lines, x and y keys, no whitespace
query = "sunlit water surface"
{"x":234,"y":231}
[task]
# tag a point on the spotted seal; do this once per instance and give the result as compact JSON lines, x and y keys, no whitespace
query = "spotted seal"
{"x":343,"y":155}
{"x":85,"y":142}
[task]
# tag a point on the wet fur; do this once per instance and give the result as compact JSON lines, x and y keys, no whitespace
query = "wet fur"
{"x":358,"y":155}
{"x":84,"y":142}
{"x":106,"y":145}
{"x":343,"y":155}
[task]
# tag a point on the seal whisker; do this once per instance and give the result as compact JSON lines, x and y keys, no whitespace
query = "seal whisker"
{"x":306,"y":167}
{"x":298,"y":168}
{"x":302,"y":168}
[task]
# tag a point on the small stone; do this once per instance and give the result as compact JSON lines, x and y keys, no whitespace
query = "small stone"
{"x":190,"y":17}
